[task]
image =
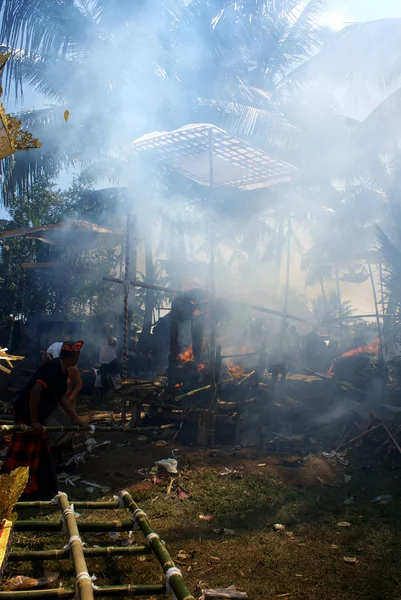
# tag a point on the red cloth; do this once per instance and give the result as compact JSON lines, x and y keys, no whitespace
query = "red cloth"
{"x":72,"y":347}
{"x":24,"y":450}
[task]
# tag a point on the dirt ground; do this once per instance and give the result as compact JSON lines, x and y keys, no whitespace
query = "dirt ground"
{"x":264,"y":487}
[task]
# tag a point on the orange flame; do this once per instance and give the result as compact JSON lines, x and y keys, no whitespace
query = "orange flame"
{"x":372,"y":349}
{"x":236,"y":371}
{"x":187,"y":355}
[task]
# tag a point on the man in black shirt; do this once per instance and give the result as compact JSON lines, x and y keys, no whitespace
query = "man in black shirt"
{"x":36,"y":402}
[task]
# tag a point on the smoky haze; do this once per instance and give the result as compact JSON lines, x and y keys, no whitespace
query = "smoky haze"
{"x":276,"y":78}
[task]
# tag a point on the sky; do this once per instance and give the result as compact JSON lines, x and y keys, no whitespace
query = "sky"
{"x":363,"y":10}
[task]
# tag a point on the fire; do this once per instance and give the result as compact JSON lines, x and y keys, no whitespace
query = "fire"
{"x":372,"y":349}
{"x":187,"y":355}
{"x":236,"y":371}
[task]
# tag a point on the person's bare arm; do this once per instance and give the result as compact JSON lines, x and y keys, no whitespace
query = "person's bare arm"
{"x":67,"y":407}
{"x":76,"y":381}
{"x":34,"y":401}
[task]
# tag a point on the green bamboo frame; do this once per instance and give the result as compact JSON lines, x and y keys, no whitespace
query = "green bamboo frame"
{"x":27,"y":555}
{"x":93,"y":526}
{"x":84,"y":586}
{"x":85,"y":428}
{"x":103,"y":592}
{"x":166,"y":562}
{"x":49,"y":505}
{"x":78,"y":553}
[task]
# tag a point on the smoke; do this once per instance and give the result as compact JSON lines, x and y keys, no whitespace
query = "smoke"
{"x":132,"y":70}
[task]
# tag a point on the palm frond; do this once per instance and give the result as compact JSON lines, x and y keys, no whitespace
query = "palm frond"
{"x":45,"y":28}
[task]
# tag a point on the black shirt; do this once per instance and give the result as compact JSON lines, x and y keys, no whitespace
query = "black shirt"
{"x":54,"y":381}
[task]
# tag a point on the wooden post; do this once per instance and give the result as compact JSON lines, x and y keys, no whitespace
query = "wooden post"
{"x":126,"y":297}
{"x":381,"y":287}
{"x":377,"y":313}
{"x":340,"y":320}
{"x":83,"y":582}
{"x":287,"y":288}
{"x":212,"y":304}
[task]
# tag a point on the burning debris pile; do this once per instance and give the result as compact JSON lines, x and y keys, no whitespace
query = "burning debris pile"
{"x":362,"y":368}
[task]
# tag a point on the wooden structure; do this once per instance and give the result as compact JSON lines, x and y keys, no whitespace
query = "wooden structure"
{"x":214,"y":158}
{"x":85,"y":589}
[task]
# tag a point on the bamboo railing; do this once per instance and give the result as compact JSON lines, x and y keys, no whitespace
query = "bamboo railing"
{"x":85,"y":590}
{"x":84,"y":428}
{"x":173,"y":574}
{"x":83,"y":581}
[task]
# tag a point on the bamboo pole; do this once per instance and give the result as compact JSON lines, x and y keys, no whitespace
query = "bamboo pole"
{"x":379,"y":331}
{"x":87,"y":428}
{"x":171,"y":291}
{"x":106,"y":505}
{"x":86,"y":526}
{"x":246,"y":378}
{"x":104,"y":592}
{"x":83,"y":582}
{"x":193,"y":392}
{"x":361,"y":435}
{"x":390,"y":435}
{"x":88,"y":552}
{"x":243,"y":355}
{"x":175,"y":579}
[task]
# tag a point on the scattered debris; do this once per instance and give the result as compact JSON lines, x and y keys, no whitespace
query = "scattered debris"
{"x":181,"y":555}
{"x":230,"y":592}
{"x":279,"y":527}
{"x":21,"y":582}
{"x":261,"y":464}
{"x":350,"y":500}
{"x":142,"y":438}
{"x":351,"y":560}
{"x":343,"y":524}
{"x":227,"y":471}
{"x":67,"y":479}
{"x":103,"y":488}
{"x":382,"y":500}
{"x":338,"y":456}
{"x":206,"y":517}
{"x":224,"y":531}
{"x":170,"y":464}
{"x":182,"y":493}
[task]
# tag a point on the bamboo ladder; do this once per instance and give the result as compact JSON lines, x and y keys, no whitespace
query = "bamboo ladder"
{"x":84,"y":588}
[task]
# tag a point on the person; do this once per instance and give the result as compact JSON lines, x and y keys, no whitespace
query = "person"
{"x":40,"y":397}
{"x":295,"y":348}
{"x":315,"y":345}
{"x":108,"y":356}
{"x":74,"y":382}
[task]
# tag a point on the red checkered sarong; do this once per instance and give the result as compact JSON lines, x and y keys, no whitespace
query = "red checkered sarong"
{"x":24,"y":450}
